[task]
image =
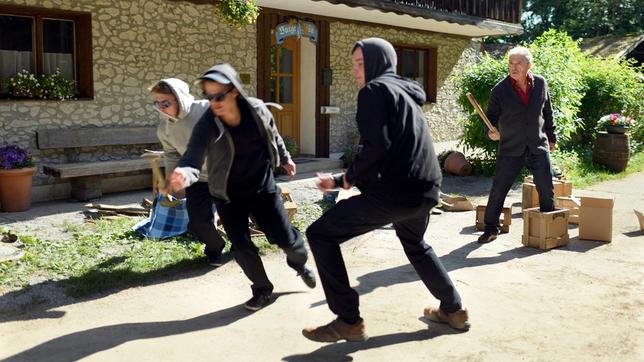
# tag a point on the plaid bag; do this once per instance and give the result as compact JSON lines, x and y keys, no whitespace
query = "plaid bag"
{"x":164,"y":221}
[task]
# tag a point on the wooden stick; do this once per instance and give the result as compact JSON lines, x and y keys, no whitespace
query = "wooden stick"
{"x":479,"y":110}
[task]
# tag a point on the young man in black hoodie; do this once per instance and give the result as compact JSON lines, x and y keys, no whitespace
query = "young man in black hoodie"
{"x":399,"y":177}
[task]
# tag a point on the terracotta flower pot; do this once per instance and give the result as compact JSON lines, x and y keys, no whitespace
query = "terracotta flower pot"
{"x":456,"y":164}
{"x":15,"y":189}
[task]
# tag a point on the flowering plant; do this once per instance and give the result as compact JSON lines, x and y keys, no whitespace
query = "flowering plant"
{"x":24,"y":84}
{"x":53,"y":86}
{"x":238,"y":12}
{"x":12,"y":157}
{"x":615,"y":119}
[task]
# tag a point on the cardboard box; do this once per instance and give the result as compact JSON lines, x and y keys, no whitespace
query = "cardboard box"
{"x":505,"y":221}
{"x":530,"y":196}
{"x":545,"y":230}
{"x":572,"y":204}
{"x":640,"y":218}
{"x":456,"y":203}
{"x":289,"y":205}
{"x":596,"y":218}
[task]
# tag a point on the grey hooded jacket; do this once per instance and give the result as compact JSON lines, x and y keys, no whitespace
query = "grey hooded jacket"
{"x":174,"y":133}
{"x":210,"y":138}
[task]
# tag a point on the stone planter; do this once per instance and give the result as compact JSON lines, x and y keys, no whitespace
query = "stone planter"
{"x":15,"y":189}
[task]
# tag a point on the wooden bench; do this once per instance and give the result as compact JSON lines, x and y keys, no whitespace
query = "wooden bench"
{"x":85,"y":177}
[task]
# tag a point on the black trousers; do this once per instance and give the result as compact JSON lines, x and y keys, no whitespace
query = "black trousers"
{"x":361,"y":214}
{"x":506,"y":171}
{"x":201,"y":214}
{"x":267,"y":209}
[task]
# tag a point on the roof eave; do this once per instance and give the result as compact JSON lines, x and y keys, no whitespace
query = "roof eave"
{"x":392,"y":15}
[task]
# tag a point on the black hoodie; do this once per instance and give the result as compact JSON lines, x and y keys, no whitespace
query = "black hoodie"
{"x":397,"y":151}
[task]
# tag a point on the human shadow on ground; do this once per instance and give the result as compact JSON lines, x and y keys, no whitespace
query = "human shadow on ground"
{"x":78,"y":345}
{"x":341,"y":351}
{"x":38,"y":300}
{"x":456,"y":259}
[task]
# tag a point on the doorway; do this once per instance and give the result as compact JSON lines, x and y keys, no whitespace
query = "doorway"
{"x":285,"y":87}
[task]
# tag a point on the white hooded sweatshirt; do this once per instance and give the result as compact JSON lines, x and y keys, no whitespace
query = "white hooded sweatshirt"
{"x":174,"y":133}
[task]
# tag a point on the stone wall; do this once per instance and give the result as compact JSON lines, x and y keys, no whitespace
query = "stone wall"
{"x":453,"y":53}
{"x":135,"y":43}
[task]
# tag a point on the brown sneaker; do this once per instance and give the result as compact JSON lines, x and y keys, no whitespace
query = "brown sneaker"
{"x":335,"y":331}
{"x":457,"y":320}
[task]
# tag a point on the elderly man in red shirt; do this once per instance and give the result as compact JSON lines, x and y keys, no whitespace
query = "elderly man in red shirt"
{"x":519,"y":107}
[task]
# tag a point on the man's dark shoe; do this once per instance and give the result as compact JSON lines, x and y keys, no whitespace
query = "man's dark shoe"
{"x":336,"y":331}
{"x":215,"y":260}
{"x":259,"y":301}
{"x":486,"y":237}
{"x":308,"y":277}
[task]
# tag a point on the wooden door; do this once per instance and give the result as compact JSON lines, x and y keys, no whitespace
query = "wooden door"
{"x":285,"y":86}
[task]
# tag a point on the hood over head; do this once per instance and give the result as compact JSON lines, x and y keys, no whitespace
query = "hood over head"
{"x":181,"y":92}
{"x":380,"y":61}
{"x":223,"y":74}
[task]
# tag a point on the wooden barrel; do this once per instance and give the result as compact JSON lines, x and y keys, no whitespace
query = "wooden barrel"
{"x":611,"y":150}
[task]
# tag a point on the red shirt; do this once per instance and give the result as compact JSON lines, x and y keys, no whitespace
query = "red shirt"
{"x":524,"y":96}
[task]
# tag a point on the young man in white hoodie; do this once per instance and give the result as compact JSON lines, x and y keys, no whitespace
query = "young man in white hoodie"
{"x":179,"y":113}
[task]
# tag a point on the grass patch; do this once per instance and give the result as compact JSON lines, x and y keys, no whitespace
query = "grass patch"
{"x":580,"y":170}
{"x":98,"y":257}
{"x":107,"y":254}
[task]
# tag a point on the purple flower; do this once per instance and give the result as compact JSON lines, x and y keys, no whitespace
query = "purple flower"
{"x":12,"y":157}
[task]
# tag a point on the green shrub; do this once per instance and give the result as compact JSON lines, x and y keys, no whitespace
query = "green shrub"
{"x":611,"y":87}
{"x":290,"y":144}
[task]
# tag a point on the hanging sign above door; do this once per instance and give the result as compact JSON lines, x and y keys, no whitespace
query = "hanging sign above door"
{"x":296,"y":28}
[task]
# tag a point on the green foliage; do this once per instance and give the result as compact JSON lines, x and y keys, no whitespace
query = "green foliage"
{"x":55,"y":86}
{"x":578,"y":167}
{"x":558,"y":59}
{"x":290,"y":144}
{"x":237,"y":13}
{"x":479,"y":79}
{"x":580,"y":18}
{"x":611,"y":87}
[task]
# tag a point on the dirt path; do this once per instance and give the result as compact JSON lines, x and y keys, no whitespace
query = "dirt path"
{"x":582,"y":302}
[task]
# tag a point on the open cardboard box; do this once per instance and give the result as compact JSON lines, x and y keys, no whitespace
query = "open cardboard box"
{"x":456,"y":203}
{"x":596,"y":218}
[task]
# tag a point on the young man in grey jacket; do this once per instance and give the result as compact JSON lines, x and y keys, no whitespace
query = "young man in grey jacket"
{"x":179,"y":114}
{"x":239,"y":136}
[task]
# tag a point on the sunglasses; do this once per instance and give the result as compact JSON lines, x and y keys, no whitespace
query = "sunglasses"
{"x":217,"y":97}
{"x":162,"y":105}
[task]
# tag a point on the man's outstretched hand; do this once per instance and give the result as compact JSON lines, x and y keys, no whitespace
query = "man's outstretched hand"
{"x":174,"y":183}
{"x":326,"y":182}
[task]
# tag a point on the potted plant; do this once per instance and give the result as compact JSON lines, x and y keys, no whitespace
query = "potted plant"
{"x":52,"y":86}
{"x":24,"y":85}
{"x":290,"y":144}
{"x":456,"y":164}
{"x":238,"y":13}
{"x":615,"y":123}
{"x":17,"y":167}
